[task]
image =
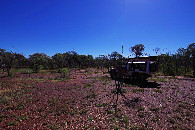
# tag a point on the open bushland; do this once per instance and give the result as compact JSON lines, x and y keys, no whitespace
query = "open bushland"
{"x":85,"y":99}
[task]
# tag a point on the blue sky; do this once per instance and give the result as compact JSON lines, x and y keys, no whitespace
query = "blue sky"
{"x":95,"y":26}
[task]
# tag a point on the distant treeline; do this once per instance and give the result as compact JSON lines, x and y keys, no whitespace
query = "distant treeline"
{"x":38,"y":61}
{"x":180,"y":63}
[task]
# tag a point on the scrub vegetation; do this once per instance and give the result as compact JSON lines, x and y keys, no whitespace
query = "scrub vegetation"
{"x":72,"y":91}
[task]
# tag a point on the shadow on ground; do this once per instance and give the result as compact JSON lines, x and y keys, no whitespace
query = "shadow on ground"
{"x":133,"y":103}
{"x":4,"y":76}
{"x":143,"y":84}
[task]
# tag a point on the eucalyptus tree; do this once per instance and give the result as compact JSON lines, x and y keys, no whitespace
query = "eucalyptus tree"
{"x":38,"y":61}
{"x":115,"y":59}
{"x":137,"y":50}
{"x":1,"y":57}
{"x":59,"y":61}
{"x":7,"y":60}
{"x":191,"y":54}
{"x":82,"y":61}
{"x":21,"y":61}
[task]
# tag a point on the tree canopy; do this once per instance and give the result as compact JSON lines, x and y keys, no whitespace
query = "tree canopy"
{"x":179,"y":63}
{"x":137,"y":50}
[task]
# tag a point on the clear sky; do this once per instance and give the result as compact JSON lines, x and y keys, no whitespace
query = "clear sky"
{"x":95,"y":26}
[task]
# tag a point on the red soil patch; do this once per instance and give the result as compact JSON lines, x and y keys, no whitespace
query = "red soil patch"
{"x":84,"y":101}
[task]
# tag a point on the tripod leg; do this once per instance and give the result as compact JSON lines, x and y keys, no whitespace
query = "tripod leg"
{"x":124,"y":96}
{"x":116,"y":104}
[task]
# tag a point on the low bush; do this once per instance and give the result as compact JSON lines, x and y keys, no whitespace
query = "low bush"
{"x":64,"y":72}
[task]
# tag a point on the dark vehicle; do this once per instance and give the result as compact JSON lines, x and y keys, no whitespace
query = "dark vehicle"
{"x":135,"y":70}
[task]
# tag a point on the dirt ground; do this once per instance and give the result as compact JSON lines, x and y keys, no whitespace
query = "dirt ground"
{"x":86,"y":100}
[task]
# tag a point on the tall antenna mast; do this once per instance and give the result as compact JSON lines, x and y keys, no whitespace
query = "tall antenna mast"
{"x":122,"y":49}
{"x":122,"y":52}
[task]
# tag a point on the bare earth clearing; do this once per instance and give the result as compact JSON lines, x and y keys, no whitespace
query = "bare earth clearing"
{"x":85,"y":101}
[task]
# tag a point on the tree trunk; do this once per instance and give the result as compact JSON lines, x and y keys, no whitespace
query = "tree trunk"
{"x":8,"y":72}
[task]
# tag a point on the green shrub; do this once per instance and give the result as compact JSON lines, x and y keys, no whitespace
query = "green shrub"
{"x":99,"y":105}
{"x":13,"y":123}
{"x":157,"y":90}
{"x":87,"y":85}
{"x":24,"y":71}
{"x":36,"y":68}
{"x":137,"y":90}
{"x":11,"y":73}
{"x":64,"y":72}
{"x":110,"y":112}
{"x":154,"y":109}
{"x":4,"y":99}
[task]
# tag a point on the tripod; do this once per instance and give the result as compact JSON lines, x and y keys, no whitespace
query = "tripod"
{"x":119,"y":80}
